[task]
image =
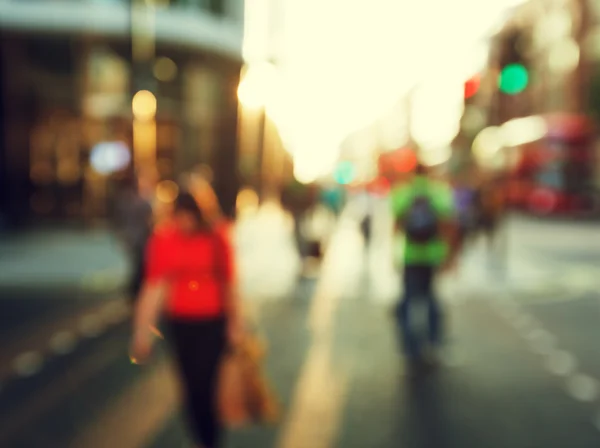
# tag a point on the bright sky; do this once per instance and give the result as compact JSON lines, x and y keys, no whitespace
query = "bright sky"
{"x":346,"y":63}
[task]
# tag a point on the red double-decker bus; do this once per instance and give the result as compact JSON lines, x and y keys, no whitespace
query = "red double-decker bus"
{"x":557,"y":174}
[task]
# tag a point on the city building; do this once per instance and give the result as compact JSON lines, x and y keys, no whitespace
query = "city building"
{"x":68,"y":73}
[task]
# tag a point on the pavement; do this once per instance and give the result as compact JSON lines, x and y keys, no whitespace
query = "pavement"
{"x":521,"y":369}
{"x":65,"y":321}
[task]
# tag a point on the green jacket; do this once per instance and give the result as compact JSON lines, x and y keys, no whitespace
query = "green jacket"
{"x":432,"y":253}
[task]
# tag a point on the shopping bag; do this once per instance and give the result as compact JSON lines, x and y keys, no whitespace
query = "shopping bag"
{"x":233,"y":408}
{"x":245,"y":395}
{"x":261,"y":400}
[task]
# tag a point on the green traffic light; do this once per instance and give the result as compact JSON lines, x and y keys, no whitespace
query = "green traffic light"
{"x":513,"y":79}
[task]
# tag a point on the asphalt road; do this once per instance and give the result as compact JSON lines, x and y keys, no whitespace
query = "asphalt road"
{"x":521,"y":368}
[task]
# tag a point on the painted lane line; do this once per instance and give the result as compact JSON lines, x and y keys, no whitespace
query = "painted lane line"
{"x":115,"y":313}
{"x":582,"y":387}
{"x":454,"y":357}
{"x":63,"y":342}
{"x":91,"y":326}
{"x":561,"y":363}
{"x":28,"y":364}
{"x":317,"y":406}
{"x":542,"y":342}
{"x":523,"y":323}
{"x":596,"y":420}
{"x":314,"y":417}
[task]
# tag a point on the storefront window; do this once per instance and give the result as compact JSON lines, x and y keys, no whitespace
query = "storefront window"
{"x":107,"y":89}
{"x":551,"y":176}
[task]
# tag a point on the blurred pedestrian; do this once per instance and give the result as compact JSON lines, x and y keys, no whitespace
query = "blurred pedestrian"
{"x":333,"y":197}
{"x":133,"y":221}
{"x":490,"y":199}
{"x":366,"y":223}
{"x":190,"y":274}
{"x":467,"y":210}
{"x":424,"y":210}
{"x":299,"y":199}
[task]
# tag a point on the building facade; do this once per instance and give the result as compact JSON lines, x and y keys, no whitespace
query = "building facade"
{"x":68,"y":73}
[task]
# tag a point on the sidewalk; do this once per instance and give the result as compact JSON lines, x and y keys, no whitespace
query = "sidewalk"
{"x":46,"y":262}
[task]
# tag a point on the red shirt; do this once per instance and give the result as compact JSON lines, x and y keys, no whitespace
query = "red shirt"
{"x":197,"y":268}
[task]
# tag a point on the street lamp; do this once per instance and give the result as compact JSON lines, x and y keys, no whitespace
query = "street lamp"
{"x":143,"y":107}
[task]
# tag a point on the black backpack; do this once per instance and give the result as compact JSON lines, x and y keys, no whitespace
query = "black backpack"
{"x":421,"y":220}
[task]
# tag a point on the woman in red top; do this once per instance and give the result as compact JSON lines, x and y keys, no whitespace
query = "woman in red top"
{"x":190,"y":266}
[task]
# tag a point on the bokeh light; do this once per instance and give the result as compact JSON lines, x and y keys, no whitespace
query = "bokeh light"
{"x":513,"y":79}
{"x":564,"y":56}
{"x":520,"y":131}
{"x":345,"y":173}
{"x":257,"y":85}
{"x":167,"y":191}
{"x":165,"y":69}
{"x":144,"y":105}
{"x":488,"y":142}
{"x":435,"y":156}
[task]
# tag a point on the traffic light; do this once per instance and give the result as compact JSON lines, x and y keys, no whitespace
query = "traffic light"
{"x":513,"y":79}
{"x":472,"y":86}
{"x":514,"y":74}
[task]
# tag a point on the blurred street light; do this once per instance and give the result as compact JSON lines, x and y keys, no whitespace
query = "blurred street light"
{"x":523,"y":130}
{"x":487,"y":143}
{"x":513,"y":79}
{"x":144,"y":108}
{"x":435,"y":156}
{"x":564,"y":56}
{"x":144,"y":105}
{"x":257,"y":85}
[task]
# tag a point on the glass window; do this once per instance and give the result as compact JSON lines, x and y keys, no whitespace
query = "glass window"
{"x":551,"y":176}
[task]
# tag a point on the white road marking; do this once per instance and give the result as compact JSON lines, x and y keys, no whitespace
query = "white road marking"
{"x":63,"y":342}
{"x":28,"y":364}
{"x":542,"y":342}
{"x":454,"y":356}
{"x":596,"y":420}
{"x":115,"y":312}
{"x":561,"y":363}
{"x":582,"y":387}
{"x":91,"y":326}
{"x":538,"y":334}
{"x":315,"y":415}
{"x":316,"y":410}
{"x":523,"y":323}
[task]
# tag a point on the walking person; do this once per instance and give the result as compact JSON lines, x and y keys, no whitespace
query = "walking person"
{"x":190,"y":274}
{"x":423,"y":210}
{"x":366,"y":223}
{"x":491,"y":205}
{"x":466,"y":211}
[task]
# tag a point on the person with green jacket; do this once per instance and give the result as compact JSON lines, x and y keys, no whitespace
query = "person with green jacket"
{"x":424,"y":213}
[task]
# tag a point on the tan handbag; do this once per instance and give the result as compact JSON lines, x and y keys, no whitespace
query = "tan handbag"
{"x":244,"y":393}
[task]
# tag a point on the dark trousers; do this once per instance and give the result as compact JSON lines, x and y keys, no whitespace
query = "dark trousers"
{"x":419,"y":290}
{"x":301,"y":243}
{"x":199,"y":346}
